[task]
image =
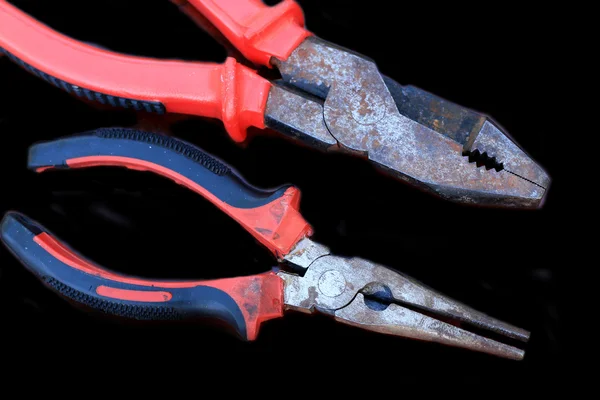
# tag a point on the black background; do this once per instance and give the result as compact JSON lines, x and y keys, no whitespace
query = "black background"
{"x":502,"y":262}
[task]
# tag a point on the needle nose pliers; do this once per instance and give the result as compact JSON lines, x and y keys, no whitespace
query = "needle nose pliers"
{"x":329,"y":98}
{"x":309,"y":278}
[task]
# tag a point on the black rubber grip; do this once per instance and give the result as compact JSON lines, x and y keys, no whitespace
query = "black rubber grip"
{"x":92,"y":95}
{"x":167,"y":142}
{"x":117,"y":308}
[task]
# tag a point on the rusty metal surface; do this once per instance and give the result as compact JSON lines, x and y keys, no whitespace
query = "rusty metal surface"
{"x":454,"y":121}
{"x":493,"y":142}
{"x":298,"y":117}
{"x":400,"y":305}
{"x":431,"y":153}
{"x":401,"y":321}
{"x":305,"y":252}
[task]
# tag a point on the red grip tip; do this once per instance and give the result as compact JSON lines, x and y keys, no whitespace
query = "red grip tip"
{"x":258,"y":31}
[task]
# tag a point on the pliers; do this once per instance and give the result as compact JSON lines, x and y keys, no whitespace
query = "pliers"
{"x":309,"y":278}
{"x":329,"y":98}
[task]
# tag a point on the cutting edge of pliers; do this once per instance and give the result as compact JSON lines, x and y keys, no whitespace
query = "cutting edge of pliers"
{"x":310,"y":279}
{"x":329,"y":97}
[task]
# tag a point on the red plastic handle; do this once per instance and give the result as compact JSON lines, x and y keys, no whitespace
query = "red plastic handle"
{"x":229,"y":91}
{"x":258,"y":31}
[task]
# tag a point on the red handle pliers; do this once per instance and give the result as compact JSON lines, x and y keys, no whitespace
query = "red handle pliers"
{"x":329,"y":98}
{"x":354,"y":291}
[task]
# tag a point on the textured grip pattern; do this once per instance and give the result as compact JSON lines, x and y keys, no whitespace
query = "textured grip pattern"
{"x":119,"y":309}
{"x":115,"y":101}
{"x":191,"y":152}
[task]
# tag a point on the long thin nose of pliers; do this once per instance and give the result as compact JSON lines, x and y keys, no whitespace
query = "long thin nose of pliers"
{"x":309,"y":279}
{"x":361,"y":293}
{"x":329,"y":98}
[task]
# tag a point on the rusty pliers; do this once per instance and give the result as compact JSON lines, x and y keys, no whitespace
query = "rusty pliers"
{"x":309,"y":278}
{"x":330,"y":98}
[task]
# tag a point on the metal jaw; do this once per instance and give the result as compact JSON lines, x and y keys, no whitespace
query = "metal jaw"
{"x":333,"y":98}
{"x":370,"y":296}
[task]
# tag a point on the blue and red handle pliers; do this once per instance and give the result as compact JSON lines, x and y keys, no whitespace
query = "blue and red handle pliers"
{"x":309,"y":279}
{"x":329,"y":98}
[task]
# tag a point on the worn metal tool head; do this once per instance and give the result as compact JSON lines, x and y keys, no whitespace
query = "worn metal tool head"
{"x":333,"y":98}
{"x":370,"y":296}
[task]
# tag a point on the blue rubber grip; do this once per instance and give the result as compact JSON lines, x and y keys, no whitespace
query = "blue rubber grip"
{"x":173,"y":300}
{"x":173,"y":154}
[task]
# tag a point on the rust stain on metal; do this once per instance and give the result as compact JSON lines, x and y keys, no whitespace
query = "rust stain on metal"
{"x":298,"y":117}
{"x":339,"y":286}
{"x":311,"y":300}
{"x":298,"y":252}
{"x":414,"y":135}
{"x":495,"y":144}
